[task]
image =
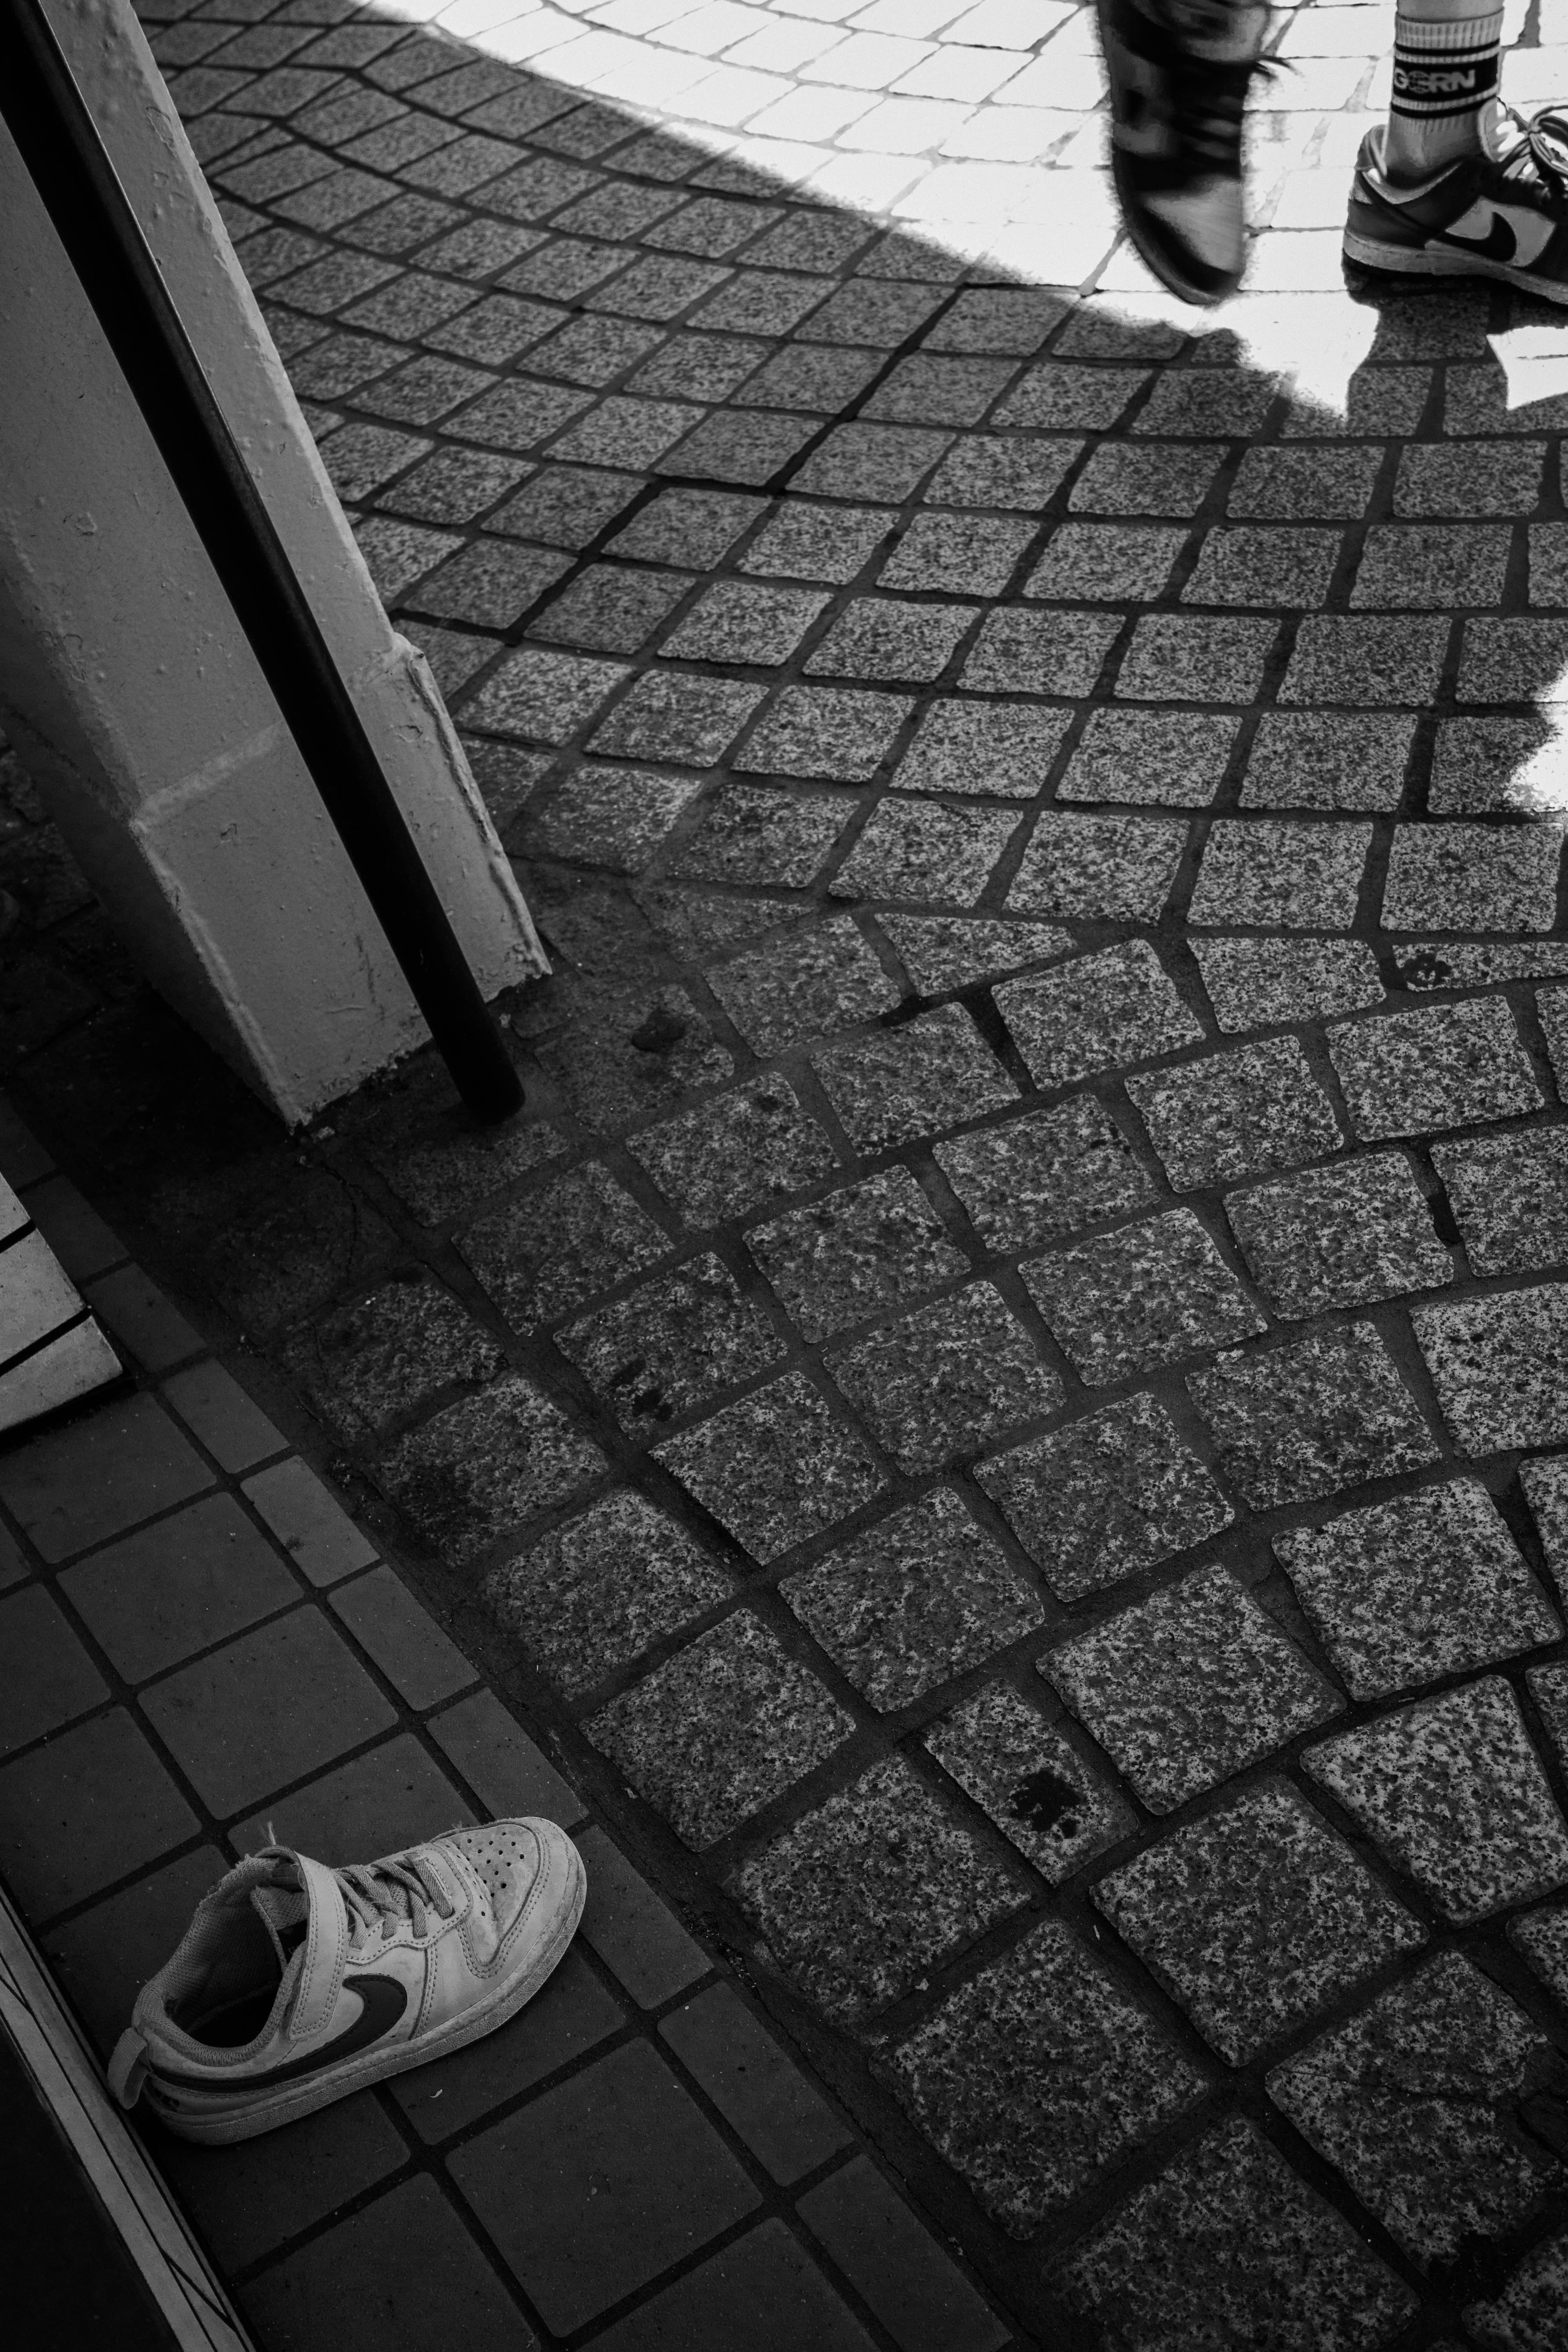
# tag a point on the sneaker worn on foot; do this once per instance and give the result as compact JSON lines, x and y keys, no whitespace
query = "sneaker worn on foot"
{"x":1179,"y":72}
{"x":1501,"y":213}
{"x":296,"y":1984}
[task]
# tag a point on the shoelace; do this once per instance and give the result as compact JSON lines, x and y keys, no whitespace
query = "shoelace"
{"x":1542,"y":145}
{"x":398,"y":1888}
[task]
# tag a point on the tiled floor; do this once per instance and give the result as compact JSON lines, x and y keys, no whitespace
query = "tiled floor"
{"x":1004,"y":1405}
{"x":199,"y":1649}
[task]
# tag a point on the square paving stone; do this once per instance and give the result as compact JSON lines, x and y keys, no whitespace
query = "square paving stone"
{"x":1542,"y":1937}
{"x":721,"y":1729}
{"x":103,"y":1956}
{"x":919,"y":851}
{"x":1253,"y":983}
{"x":871,"y":1892}
{"x":807,"y":985}
{"x":1046,"y":1174}
{"x":660,"y":1353}
{"x":1281,"y":484}
{"x":897,"y":2264}
{"x":1255,"y":1918}
{"x":1282,"y":568}
{"x":1174,"y":758}
{"x":1097,"y":1012}
{"x":802,"y":542}
{"x":1053,"y":397}
{"x":1003,"y":470}
{"x":1472,"y":877}
{"x":896,"y":1083}
{"x":1510,"y":1194}
{"x":1123,"y":479}
{"x":482,"y":1469}
{"x":1236,"y":1114}
{"x":1340,"y":1236}
{"x":1431,"y":566}
{"x":367,"y":1366}
{"x":1186,"y":658}
{"x":1469,"y":477}
{"x":193,"y":1579}
{"x":759,"y":2093}
{"x":1531,"y":2311}
{"x":407,"y":2252}
{"x":918,"y":1598}
{"x":624,"y":2178}
{"x":548,"y":1252}
{"x":1513,"y":661}
{"x":1144,"y":1295}
{"x":1444,"y":1066}
{"x":674,"y":715}
{"x":840,"y":731}
{"x":946,"y":1383}
{"x":741,"y":620}
{"x":1295,"y":1423}
{"x":774,"y":1469}
{"x":873,"y":1246}
{"x":83,"y":1809}
{"x":1036,"y":2076}
{"x":1112,"y":562}
{"x":1484,"y":767}
{"x":883,"y":637}
{"x":1040,"y":653}
{"x":1002,"y":748}
{"x":1113,"y":1493}
{"x":542,"y":697}
{"x":609,"y":816}
{"x":49,"y":1678}
{"x":1414,"y":2103}
{"x":1545,"y":1486}
{"x":1454,"y":1793}
{"x":270,"y":1708}
{"x":763,"y":2291}
{"x":1189,"y":1687}
{"x":944,"y":951}
{"x":1339,"y":660}
{"x":249,"y":2200}
{"x":1499,"y":1366}
{"x":1032,"y":1781}
{"x":1100,"y":868}
{"x":743,"y":1151}
{"x":73,"y":1487}
{"x":611,"y":608}
{"x":1329,"y":759}
{"x":1227,"y":2238}
{"x":1426,"y":1585}
{"x":1300,"y":878}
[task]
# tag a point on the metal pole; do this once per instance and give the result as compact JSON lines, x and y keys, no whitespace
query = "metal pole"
{"x":59,"y":141}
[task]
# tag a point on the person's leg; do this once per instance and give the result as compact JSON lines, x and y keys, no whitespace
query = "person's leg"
{"x":1455,"y":184}
{"x":1179,"y":72}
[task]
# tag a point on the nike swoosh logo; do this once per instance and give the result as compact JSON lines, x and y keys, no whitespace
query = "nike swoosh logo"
{"x":384,"y":2001}
{"x":1499,"y":244}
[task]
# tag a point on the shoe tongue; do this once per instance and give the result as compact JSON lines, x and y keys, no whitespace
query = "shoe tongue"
{"x":285,"y":1913}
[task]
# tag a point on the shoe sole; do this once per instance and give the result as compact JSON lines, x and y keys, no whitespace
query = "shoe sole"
{"x":224,"y":2124}
{"x":1439,"y":261}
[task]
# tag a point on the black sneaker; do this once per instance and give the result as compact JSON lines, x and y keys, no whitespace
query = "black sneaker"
{"x":1499,"y":214}
{"x":1179,"y":74}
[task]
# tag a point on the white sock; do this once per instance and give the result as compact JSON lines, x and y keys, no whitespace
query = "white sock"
{"x":1445,"y":59}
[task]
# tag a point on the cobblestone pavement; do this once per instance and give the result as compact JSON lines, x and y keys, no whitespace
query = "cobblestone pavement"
{"x":1007,"y":1401}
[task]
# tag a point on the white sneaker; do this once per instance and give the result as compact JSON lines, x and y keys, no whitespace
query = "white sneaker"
{"x":296,"y":1984}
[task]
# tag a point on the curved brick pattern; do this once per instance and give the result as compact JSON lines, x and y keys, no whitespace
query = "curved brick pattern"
{"x":1010,"y":1382}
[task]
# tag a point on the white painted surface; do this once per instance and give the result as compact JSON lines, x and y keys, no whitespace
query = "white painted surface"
{"x":127,"y":686}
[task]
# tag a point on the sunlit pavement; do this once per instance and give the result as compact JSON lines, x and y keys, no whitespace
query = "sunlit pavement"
{"x":1006,"y":1405}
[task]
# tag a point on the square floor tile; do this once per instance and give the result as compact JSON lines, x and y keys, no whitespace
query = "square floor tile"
{"x":1340,"y":1236}
{"x":598,"y":2186}
{"x":88,"y":1808}
{"x":1453,"y":1793}
{"x":572,"y":2015}
{"x":381,"y":1801}
{"x":760,"y":2094}
{"x":1038,"y":2075}
{"x":155,"y":1597}
{"x":406,"y":2262}
{"x":97,"y":1476}
{"x":268,"y":1709}
{"x":102,"y":1957}
{"x":764,"y":2292}
{"x":1144,"y":1295}
{"x":1114,"y":1492}
{"x":248,"y":2199}
{"x":1427,"y":1585}
{"x":1187,"y":1688}
{"x":48,"y":1677}
{"x":1255,"y":1918}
